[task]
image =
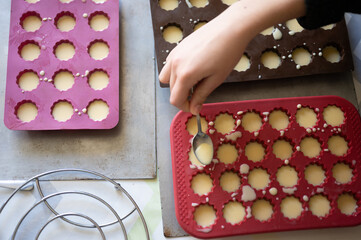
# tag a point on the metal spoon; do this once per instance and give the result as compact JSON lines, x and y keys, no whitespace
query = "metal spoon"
{"x":202,"y":145}
{"x":14,"y":184}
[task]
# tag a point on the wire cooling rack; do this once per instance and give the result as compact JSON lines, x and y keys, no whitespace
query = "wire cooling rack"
{"x":37,"y":217}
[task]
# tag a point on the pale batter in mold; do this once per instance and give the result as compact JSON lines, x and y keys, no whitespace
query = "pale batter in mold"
{"x":65,"y":23}
{"x":282,"y":149}
{"x":347,"y":204}
{"x":294,"y":26}
{"x":342,"y":173}
{"x":224,"y":123}
{"x":199,"y":25}
{"x":310,"y":147}
{"x":337,"y":145}
{"x":99,"y":22}
{"x":99,"y":1}
{"x":291,"y":207}
{"x":65,"y":51}
{"x":98,"y":80}
{"x":199,"y":3}
{"x":205,"y":215}
{"x":251,"y":122}
{"x":193,"y":159}
{"x":31,"y":23}
{"x":30,"y":51}
{"x":258,"y":178}
{"x":204,"y":153}
{"x":230,"y":181}
{"x":27,"y":112}
{"x":243,"y":64}
{"x":98,"y":110}
{"x":192,"y":127}
{"x":319,"y":205}
{"x":268,"y":31}
{"x":329,"y":26}
{"x":301,"y":56}
{"x":287,"y":176}
{"x":234,"y":212}
{"x":314,"y":174}
{"x":333,"y":116}
{"x":227,"y":153}
{"x":64,"y":80}
{"x":172,"y":34}
{"x":262,"y":210}
{"x":32,"y":1}
{"x":62,"y":111}
{"x":331,"y":54}
{"x":28,"y":81}
{"x":270,"y":60}
{"x":248,"y":194}
{"x":168,"y":5}
{"x":278,"y":120}
{"x":99,"y":50}
{"x":202,"y":184}
{"x":66,"y":1}
{"x":306,"y":117}
{"x":229,"y":2}
{"x":254,"y":151}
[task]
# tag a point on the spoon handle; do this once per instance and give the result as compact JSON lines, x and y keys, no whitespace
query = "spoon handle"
{"x":199,"y":124}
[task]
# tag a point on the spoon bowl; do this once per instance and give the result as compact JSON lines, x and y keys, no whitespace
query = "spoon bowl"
{"x":202,"y":145}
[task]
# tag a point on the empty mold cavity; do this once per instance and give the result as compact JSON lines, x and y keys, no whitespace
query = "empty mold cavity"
{"x":310,"y":147}
{"x":262,"y":210}
{"x":267,"y":31}
{"x":258,"y":178}
{"x":287,"y":176}
{"x":66,"y":1}
{"x":98,"y":49}
{"x":251,"y":122}
{"x":279,"y":119}
{"x":168,"y":5}
{"x":319,"y":205}
{"x":282,"y":149}
{"x":192,"y":126}
{"x":333,"y":116}
{"x":192,"y":158}
{"x":342,"y":173}
{"x":270,"y":59}
{"x":205,"y":215}
{"x":314,"y":174}
{"x":337,"y":145}
{"x":331,"y":53}
{"x":26,"y":111}
{"x":234,"y":212}
{"x":64,"y":50}
{"x":202,"y":184}
{"x":230,"y":181}
{"x":98,"y":79}
{"x":224,"y":123}
{"x":99,"y":1}
{"x":29,"y":50}
{"x":243,"y":64}
{"x":98,"y":110}
{"x":347,"y":203}
{"x":172,"y":33}
{"x":65,"y":21}
{"x":32,"y":1}
{"x":227,"y":153}
{"x":306,"y":117}
{"x":63,"y":80}
{"x":28,"y":80}
{"x":329,"y":26}
{"x":255,"y":151}
{"x":291,"y":207}
{"x":62,"y":111}
{"x":294,"y":26}
{"x":199,"y":24}
{"x":99,"y":21}
{"x":198,"y":3}
{"x":301,"y":56}
{"x":229,"y":2}
{"x":30,"y":21}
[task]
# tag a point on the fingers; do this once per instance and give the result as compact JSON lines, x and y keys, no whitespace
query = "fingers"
{"x":164,"y":76}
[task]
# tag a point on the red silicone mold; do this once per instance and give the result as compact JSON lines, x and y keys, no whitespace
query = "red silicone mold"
{"x":47,"y":37}
{"x":186,"y":201}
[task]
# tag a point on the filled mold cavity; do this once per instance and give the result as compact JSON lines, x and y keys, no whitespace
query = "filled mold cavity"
{"x":99,"y":1}
{"x":31,"y":21}
{"x":63,"y":80}
{"x":198,"y":3}
{"x":224,"y":123}
{"x":26,"y":111}
{"x":65,"y":21}
{"x":337,"y":145}
{"x":291,"y":207}
{"x":62,"y":111}
{"x":227,"y":153}
{"x":234,"y":212}
{"x":205,"y":215}
{"x":315,"y":174}
{"x":301,"y":56}
{"x":229,"y":2}
{"x":32,"y":1}
{"x":202,"y":184}
{"x":98,"y":110}
{"x":255,"y":151}
{"x":259,"y":178}
{"x":98,"y":21}
{"x":192,"y":127}
{"x":243,"y":64}
{"x":282,"y":149}
{"x":329,"y":26}
{"x":29,"y":50}
{"x":66,"y":1}
{"x":342,"y":173}
{"x":347,"y":203}
{"x":332,"y":53}
{"x":294,"y":26}
{"x":306,"y":117}
{"x":251,"y":121}
{"x":28,"y":80}
{"x":310,"y":147}
{"x":267,"y":31}
{"x":287,"y":176}
{"x":271,"y":59}
{"x":262,"y":210}
{"x":230,"y":181}
{"x":199,"y":24}
{"x":319,"y":205}
{"x":98,"y":49}
{"x":64,"y":50}
{"x":168,"y":5}
{"x":98,"y":79}
{"x":278,"y":119}
{"x":333,"y":116}
{"x":172,"y":33}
